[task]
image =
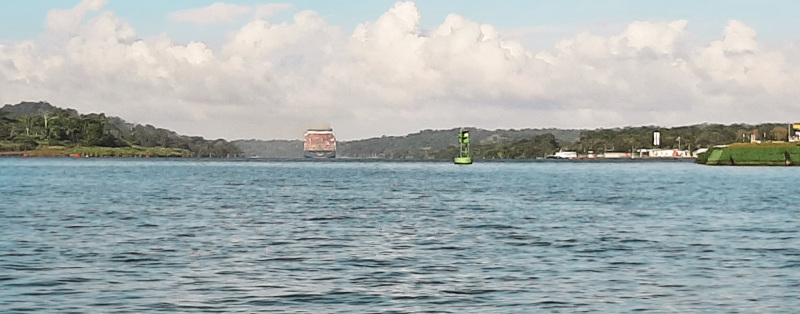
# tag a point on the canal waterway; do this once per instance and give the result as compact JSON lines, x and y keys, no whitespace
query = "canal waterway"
{"x":189,"y":235}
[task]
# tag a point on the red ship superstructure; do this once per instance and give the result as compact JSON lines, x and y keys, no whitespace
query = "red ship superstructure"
{"x":319,"y":143}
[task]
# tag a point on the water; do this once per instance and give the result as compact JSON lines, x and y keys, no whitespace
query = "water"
{"x":136,"y":235}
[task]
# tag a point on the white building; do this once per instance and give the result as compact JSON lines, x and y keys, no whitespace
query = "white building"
{"x":564,"y":155}
{"x":616,"y":155}
{"x":668,"y":153}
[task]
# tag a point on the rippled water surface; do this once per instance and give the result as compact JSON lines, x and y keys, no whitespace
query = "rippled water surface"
{"x":116,"y":235}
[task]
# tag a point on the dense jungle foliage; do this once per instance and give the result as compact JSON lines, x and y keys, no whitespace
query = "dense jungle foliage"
{"x":39,"y":125}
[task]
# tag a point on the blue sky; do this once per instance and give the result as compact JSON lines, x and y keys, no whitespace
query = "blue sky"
{"x":773,"y":19}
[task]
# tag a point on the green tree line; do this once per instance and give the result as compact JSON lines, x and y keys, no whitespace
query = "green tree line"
{"x":530,"y":143}
{"x":686,"y":137}
{"x":626,"y":140}
{"x":27,"y":126}
{"x":537,"y":146}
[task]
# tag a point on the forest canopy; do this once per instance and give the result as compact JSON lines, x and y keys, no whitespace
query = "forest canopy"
{"x":32,"y":125}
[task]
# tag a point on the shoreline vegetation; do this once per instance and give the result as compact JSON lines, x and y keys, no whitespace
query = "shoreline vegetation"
{"x":534,"y":143}
{"x":134,"y":151}
{"x":38,"y":129}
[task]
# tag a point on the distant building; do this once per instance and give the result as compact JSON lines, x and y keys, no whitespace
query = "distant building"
{"x":668,"y":153}
{"x":794,"y":132}
{"x":616,"y":155}
{"x":563,"y":155}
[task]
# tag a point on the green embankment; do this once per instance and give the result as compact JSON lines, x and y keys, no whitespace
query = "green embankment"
{"x":755,"y":154}
{"x":133,"y":151}
{"x":93,"y":151}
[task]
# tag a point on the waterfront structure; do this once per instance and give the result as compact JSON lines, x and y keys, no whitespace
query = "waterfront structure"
{"x":794,"y":132}
{"x":669,"y":153}
{"x":563,"y":155}
{"x":616,"y":155}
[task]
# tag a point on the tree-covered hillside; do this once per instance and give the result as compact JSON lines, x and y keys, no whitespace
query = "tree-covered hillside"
{"x":529,"y":143}
{"x":426,"y":142}
{"x":529,"y":148}
{"x":685,"y":137}
{"x":32,"y":125}
{"x":419,"y":145}
{"x":270,"y":149}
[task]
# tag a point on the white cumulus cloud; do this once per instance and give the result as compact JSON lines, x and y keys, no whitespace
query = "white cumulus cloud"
{"x":389,"y":76}
{"x":67,"y":21}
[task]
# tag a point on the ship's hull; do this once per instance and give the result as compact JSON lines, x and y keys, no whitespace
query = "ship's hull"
{"x":319,"y":154}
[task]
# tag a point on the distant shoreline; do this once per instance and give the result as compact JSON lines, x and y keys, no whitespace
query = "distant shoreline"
{"x":378,"y":160}
{"x":95,"y":151}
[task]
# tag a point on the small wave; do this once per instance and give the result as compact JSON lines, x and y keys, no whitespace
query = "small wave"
{"x":46,"y":283}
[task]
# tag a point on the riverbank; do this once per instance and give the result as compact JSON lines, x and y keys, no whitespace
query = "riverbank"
{"x":752,"y":154}
{"x":92,"y":151}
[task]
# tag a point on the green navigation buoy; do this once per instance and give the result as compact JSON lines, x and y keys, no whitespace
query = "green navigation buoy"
{"x":464,"y":157}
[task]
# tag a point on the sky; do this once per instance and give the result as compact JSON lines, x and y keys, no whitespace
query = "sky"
{"x":251,"y":69}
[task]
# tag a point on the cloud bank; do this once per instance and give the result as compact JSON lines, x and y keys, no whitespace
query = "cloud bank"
{"x":389,"y":76}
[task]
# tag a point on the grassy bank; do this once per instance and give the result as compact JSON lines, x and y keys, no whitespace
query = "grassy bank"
{"x":133,"y":151}
{"x":753,"y":154}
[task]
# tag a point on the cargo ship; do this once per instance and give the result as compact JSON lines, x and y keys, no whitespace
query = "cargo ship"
{"x":319,"y":143}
